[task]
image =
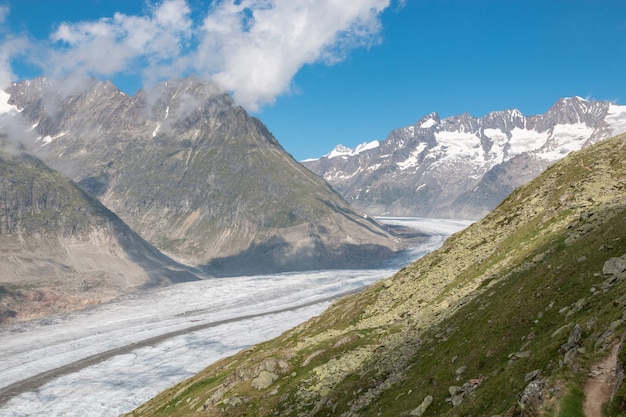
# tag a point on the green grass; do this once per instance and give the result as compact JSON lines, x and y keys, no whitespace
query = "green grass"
{"x":572,"y":404}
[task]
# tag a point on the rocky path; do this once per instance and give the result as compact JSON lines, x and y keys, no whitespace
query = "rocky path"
{"x":600,"y":384}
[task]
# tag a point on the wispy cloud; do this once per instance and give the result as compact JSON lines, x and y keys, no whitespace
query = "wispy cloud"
{"x":6,"y":74}
{"x":122,"y":43}
{"x":4,"y":12}
{"x":252,"y":48}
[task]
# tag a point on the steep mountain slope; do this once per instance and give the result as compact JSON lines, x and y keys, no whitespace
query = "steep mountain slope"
{"x":196,"y":176}
{"x":506,"y":318}
{"x":463,"y":166}
{"x":60,"y":249}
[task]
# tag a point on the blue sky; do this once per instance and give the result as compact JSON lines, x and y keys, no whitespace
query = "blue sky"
{"x":337,"y":71}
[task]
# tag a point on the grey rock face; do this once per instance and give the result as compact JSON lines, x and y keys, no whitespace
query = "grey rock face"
{"x":196,"y":176}
{"x":532,"y":394}
{"x":264,"y":380}
{"x":615,"y":266}
{"x":463,"y":166}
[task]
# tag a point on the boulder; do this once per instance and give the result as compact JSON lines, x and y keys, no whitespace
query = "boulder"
{"x":264,"y":380}
{"x":421,"y":409}
{"x":532,"y":394}
{"x":615,"y":266}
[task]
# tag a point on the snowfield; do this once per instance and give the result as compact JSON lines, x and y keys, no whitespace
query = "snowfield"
{"x":109,"y":359}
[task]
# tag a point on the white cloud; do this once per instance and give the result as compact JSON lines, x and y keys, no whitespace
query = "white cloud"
{"x":252,"y":48}
{"x":255,"y":47}
{"x":6,"y":74}
{"x":10,"y":47}
{"x":4,"y":12}
{"x":110,"y":46}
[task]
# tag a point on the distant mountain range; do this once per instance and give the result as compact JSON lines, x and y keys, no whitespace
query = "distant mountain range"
{"x":463,"y":166}
{"x":194,"y":175}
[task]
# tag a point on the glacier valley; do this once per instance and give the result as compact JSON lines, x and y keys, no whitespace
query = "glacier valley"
{"x":109,"y":359}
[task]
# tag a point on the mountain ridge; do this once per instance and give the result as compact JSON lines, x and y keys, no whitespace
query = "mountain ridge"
{"x":62,"y":250}
{"x":197,"y":177}
{"x":462,"y":166}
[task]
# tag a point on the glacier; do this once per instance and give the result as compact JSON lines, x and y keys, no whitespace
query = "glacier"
{"x":144,"y":343}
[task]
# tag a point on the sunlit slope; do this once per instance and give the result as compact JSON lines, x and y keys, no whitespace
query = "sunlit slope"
{"x":504,"y":319}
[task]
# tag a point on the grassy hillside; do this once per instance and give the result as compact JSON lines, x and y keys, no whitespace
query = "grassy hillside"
{"x":505,"y":319}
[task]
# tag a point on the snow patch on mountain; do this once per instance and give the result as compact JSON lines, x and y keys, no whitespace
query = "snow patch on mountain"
{"x":428,"y":123}
{"x":156,"y":130}
{"x":412,"y":160}
{"x":523,"y":140}
{"x":5,"y":107}
{"x":47,"y":139}
{"x":565,"y":139}
{"x":616,"y":118}
{"x":459,"y":144}
{"x":341,"y":175}
{"x":344,"y":151}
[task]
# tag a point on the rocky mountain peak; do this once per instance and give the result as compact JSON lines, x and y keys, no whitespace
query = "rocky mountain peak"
{"x":197,"y":176}
{"x":463,"y":166}
{"x":184,"y":98}
{"x":505,"y":120}
{"x":574,"y":110}
{"x":465,"y":123}
{"x":428,"y":121}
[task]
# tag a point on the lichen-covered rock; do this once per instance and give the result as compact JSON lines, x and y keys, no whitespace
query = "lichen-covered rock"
{"x":264,"y":380}
{"x":615,"y":266}
{"x":532,"y":394}
{"x":232,"y":402}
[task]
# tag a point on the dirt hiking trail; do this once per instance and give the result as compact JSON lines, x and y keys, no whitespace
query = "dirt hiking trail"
{"x":600,"y":384}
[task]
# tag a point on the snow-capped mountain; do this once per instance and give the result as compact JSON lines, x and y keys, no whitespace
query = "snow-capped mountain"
{"x":463,"y":166}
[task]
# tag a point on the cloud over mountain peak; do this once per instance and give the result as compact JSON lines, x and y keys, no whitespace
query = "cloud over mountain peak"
{"x":253,"y":48}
